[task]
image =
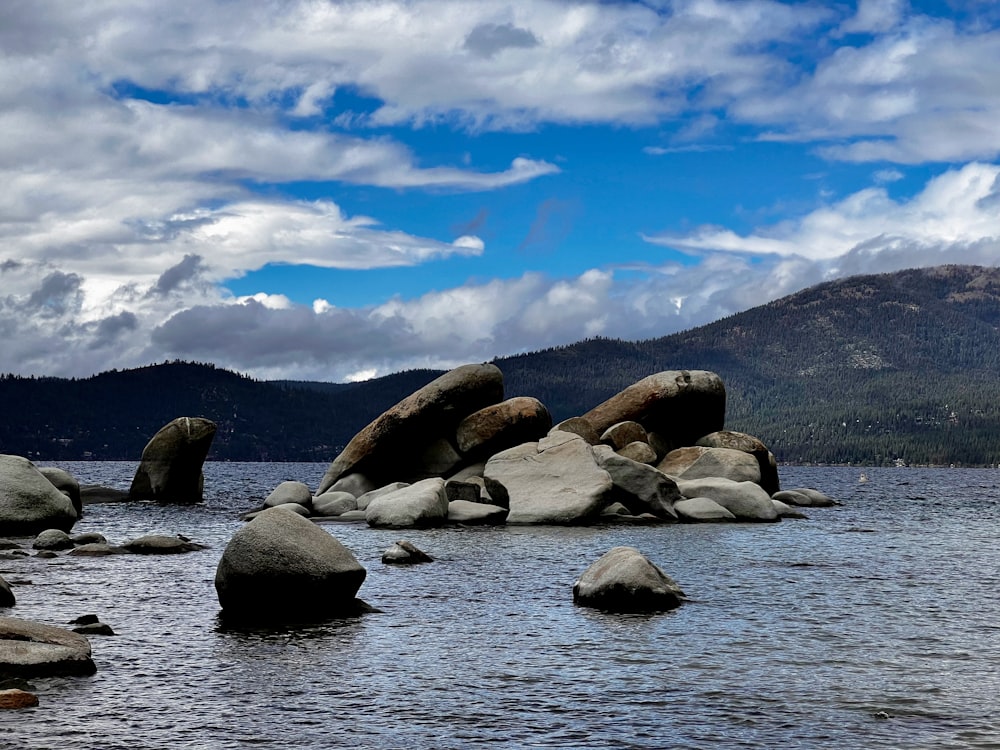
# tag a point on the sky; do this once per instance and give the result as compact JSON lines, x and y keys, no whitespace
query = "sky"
{"x":325,"y":190}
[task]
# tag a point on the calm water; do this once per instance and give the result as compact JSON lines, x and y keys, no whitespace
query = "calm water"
{"x":874,"y":625}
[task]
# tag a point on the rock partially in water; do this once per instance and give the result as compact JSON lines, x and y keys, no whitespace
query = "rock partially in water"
{"x":745,"y":500}
{"x":32,"y":649}
{"x":161,"y":544}
{"x":13,"y":698}
{"x":625,"y":580}
{"x":423,"y":503}
{"x":333,"y":503}
{"x":806,"y":497}
{"x":702,"y":510}
{"x":66,"y":483}
{"x":289,"y":492}
{"x":476,"y":513}
{"x":171,"y":464}
{"x":30,"y":503}
{"x":405,"y":553}
{"x":7,"y":598}
{"x":53,"y":539}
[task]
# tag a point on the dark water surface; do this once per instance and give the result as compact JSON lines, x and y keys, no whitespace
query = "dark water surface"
{"x":872,"y":625}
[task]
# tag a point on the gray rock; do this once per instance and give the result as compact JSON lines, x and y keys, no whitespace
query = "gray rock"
{"x":679,"y":405}
{"x":161,"y":544}
{"x":95,"y":549}
{"x":625,"y":580}
{"x":30,"y":503}
{"x":89,"y":537}
{"x":805,"y":496}
{"x":7,"y":598}
{"x":66,"y":483}
{"x":46,"y":554}
{"x":468,"y":491}
{"x":702,"y":510}
{"x":94,"y":628}
{"x":93,"y":494}
{"x":423,"y":503}
{"x":9,"y":544}
{"x":289,"y":492}
{"x":745,"y":500}
{"x":501,"y":426}
{"x":701,"y":463}
{"x":616,"y":509}
{"x":283,"y":566}
{"x":365,"y":499}
{"x":622,"y":433}
{"x":476,"y":513}
{"x":437,"y":459}
{"x":405,"y":553}
{"x":471,"y":471}
{"x":31,"y":649}
{"x":334,"y":503}
{"x":640,"y":487}
{"x":380,"y":449}
{"x":556,"y":481}
{"x":355,"y":483}
{"x":788,"y":511}
{"x":641,"y":452}
{"x":53,"y":539}
{"x":171,"y":464}
{"x":748,"y":444}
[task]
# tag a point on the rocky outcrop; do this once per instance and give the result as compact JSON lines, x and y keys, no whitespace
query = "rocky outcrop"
{"x":171,"y":466}
{"x":384,"y":450}
{"x":31,"y":649}
{"x":30,"y":503}
{"x":283,"y":566}
{"x":423,"y":503}
{"x":625,"y":580}
{"x":697,"y":462}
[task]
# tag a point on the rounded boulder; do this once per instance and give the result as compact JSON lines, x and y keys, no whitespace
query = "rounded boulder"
{"x":625,"y":580}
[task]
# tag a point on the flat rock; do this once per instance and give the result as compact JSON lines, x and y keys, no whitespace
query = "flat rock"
{"x":806,"y":497}
{"x":161,"y":544}
{"x":32,"y":649}
{"x":15,"y":698}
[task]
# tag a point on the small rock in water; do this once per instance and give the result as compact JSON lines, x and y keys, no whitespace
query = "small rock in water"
{"x":85,"y":620}
{"x":94,"y":628}
{"x":405,"y":553}
{"x":15,"y":698}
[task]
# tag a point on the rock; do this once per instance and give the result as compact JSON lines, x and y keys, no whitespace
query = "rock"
{"x":289,"y":492}
{"x":96,"y":549}
{"x":46,"y":554}
{"x":438,"y":458}
{"x":501,"y":426}
{"x":171,"y":464}
{"x":355,"y":483}
{"x":92,"y":494}
{"x":405,"y":553}
{"x":9,"y":544}
{"x":350,"y":515}
{"x":622,"y":433}
{"x":52,"y":539}
{"x":641,"y":452}
{"x":85,"y":620}
{"x":805,"y":496}
{"x":161,"y":544}
{"x":476,"y":513}
{"x":625,"y":580}
{"x":334,"y":503}
{"x":701,"y":463}
{"x":423,"y":503}
{"x":13,"y":698}
{"x":94,"y":628}
{"x":616,"y":509}
{"x":679,"y":405}
{"x":31,"y":649}
{"x":748,"y":444}
{"x":455,"y":490}
{"x":745,"y":500}
{"x":283,"y":566}
{"x":66,"y":483}
{"x":640,"y":487}
{"x":579,"y":426}
{"x":787,"y":511}
{"x":30,"y":503}
{"x":89,"y":537}
{"x":7,"y":598}
{"x":470,"y":472}
{"x":365,"y":499}
{"x":431,"y":412}
{"x":702,"y":510}
{"x":554,"y":481}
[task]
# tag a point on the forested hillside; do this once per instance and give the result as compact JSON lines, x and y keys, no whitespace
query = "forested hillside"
{"x":869,"y":370}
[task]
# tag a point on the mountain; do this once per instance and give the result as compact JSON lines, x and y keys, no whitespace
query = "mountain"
{"x":871,"y":370}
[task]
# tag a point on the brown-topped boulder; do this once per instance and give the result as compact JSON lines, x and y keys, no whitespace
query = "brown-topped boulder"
{"x":579,"y":426}
{"x":625,"y":580}
{"x":679,"y":405}
{"x":748,"y":444}
{"x":384,"y":450}
{"x":30,"y":503}
{"x":697,"y":462}
{"x":501,"y":426}
{"x":170,"y":470}
{"x":32,"y":649}
{"x":621,"y":434}
{"x":15,"y":698}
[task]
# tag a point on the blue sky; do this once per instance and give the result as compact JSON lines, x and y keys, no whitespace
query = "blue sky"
{"x":337,"y":190}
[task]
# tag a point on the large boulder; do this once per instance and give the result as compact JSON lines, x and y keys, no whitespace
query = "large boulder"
{"x":748,"y":444}
{"x":501,"y":426}
{"x":66,"y":483}
{"x":423,"y":503}
{"x":678,"y":405}
{"x":171,"y":464}
{"x":554,"y":481}
{"x":30,"y":503}
{"x":31,"y":649}
{"x":701,"y":463}
{"x":625,"y":580}
{"x":638,"y":486}
{"x":745,"y":500}
{"x":379,"y":450}
{"x":283,"y":566}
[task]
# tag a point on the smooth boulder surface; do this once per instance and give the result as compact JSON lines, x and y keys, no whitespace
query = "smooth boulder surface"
{"x":66,"y":483}
{"x":745,"y":500}
{"x":625,"y":580}
{"x":283,"y":566}
{"x":15,"y":698}
{"x":161,"y":544}
{"x":289,"y":492}
{"x":748,"y":444}
{"x":32,"y":649}
{"x":639,"y":451}
{"x":806,"y":497}
{"x":678,"y":405}
{"x":53,"y":539}
{"x":554,"y":481}
{"x":423,"y":503}
{"x":475,"y":513}
{"x":170,"y":469}
{"x":30,"y":503}
{"x":500,"y":426}
{"x":333,"y":503}
{"x":638,"y":486}
{"x":621,"y":434}
{"x":701,"y":510}
{"x":701,"y":462}
{"x":405,"y":553}
{"x":430,"y":412}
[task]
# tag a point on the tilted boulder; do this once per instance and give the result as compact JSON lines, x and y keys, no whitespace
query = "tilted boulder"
{"x":639,"y":487}
{"x":283,"y":566}
{"x":745,"y":500}
{"x":639,"y":451}
{"x":678,"y":405}
{"x":404,"y":552}
{"x":30,"y":503}
{"x":554,"y":481}
{"x":32,"y":649}
{"x":625,"y":580}
{"x":171,"y":466}
{"x":379,"y":450}
{"x":702,"y":463}
{"x":501,"y":426}
{"x":748,"y":444}
{"x":423,"y":503}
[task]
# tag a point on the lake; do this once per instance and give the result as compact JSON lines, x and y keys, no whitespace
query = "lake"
{"x":874,"y":624}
